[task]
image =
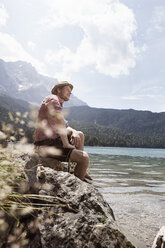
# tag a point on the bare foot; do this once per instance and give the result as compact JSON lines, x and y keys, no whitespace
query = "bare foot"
{"x":88,"y":176}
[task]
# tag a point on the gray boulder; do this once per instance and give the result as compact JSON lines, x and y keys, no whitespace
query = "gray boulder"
{"x":34,"y":169}
{"x":74,"y":213}
{"x":80,"y":218}
{"x":159,"y":241}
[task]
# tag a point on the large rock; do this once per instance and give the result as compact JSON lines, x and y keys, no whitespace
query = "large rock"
{"x":76,"y":215}
{"x":159,"y":241}
{"x":80,"y":216}
{"x":33,"y":166}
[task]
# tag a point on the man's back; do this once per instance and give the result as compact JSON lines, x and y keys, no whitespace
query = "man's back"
{"x":46,"y":125}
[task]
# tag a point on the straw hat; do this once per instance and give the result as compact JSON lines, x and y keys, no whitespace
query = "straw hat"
{"x":60,"y":85}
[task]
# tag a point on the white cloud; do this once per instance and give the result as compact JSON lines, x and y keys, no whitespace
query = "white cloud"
{"x":31,"y":45}
{"x":158,"y":19}
{"x":133,"y":97}
{"x":141,"y":96}
{"x":3,"y":15}
{"x":108,"y":27}
{"x":12,"y":50}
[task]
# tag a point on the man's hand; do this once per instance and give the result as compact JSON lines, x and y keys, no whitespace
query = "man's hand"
{"x":69,"y":146}
{"x":75,"y":139}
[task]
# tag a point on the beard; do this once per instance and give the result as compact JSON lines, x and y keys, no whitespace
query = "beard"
{"x":65,"y":98}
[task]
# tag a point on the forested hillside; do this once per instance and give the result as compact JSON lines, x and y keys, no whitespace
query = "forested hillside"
{"x":16,"y":118}
{"x":97,"y":135}
{"x":110,"y":127}
{"x":102,"y":127}
{"x":130,"y":120}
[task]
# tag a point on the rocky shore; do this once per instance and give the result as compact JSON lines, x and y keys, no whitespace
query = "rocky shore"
{"x":80,"y":217}
{"x":63,"y":212}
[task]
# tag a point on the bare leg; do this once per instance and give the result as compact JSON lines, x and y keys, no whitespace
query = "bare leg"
{"x":82,"y":160}
{"x":81,"y":147}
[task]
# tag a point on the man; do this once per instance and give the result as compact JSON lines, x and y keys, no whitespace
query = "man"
{"x":53,"y":131}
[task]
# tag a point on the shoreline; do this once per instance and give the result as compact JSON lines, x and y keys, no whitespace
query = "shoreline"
{"x":139,"y":216}
{"x":132,"y":182}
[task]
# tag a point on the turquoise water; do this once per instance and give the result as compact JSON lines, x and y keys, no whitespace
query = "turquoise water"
{"x":132,"y":180}
{"x":124,"y":151}
{"x":128,"y":170}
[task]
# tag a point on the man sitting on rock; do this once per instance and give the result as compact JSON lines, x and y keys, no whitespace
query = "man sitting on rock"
{"x":52,"y":131}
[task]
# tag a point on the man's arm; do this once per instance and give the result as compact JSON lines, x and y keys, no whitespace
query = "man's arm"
{"x":62,"y":130}
{"x":75,"y":138}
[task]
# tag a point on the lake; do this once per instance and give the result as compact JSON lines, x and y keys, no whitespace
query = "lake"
{"x":132,"y":180}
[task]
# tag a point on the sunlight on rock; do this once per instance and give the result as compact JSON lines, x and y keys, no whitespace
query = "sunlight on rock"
{"x":47,"y":186}
{"x":99,"y":226}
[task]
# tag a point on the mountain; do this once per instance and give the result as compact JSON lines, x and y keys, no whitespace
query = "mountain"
{"x":102,"y":127}
{"x":110,"y":127}
{"x":21,"y":80}
{"x":21,"y":84}
{"x":129,"y":120}
{"x":15,"y":119}
{"x":13,"y":105}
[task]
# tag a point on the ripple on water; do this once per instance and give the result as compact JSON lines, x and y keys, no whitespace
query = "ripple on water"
{"x":146,"y":180}
{"x":123,"y":164}
{"x":131,"y":190}
{"x":137,"y":197}
{"x":152,"y":173}
{"x":120,"y":172}
{"x":143,"y":165}
{"x":106,"y":180}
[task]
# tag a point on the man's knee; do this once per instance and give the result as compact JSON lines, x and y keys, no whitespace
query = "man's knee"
{"x":79,"y":156}
{"x":85,"y":156}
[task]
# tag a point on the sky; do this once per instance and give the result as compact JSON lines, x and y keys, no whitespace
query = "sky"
{"x":112,"y":51}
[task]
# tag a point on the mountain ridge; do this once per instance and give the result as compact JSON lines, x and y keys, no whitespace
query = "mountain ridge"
{"x":130,"y":120}
{"x":21,"y":80}
{"x":101,"y":126}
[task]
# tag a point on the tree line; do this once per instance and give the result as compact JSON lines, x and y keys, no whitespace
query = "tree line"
{"x":97,"y":135}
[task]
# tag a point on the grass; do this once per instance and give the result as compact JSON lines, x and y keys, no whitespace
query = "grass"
{"x":15,"y":201}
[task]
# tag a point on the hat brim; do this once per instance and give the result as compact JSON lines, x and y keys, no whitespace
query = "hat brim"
{"x":60,"y":85}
